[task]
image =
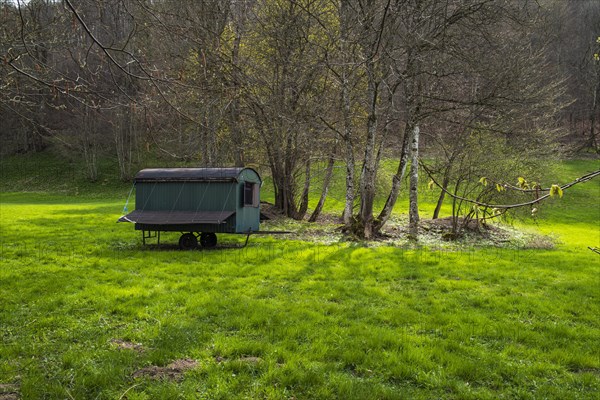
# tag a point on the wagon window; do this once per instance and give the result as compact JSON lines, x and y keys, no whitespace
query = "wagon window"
{"x":250,"y":194}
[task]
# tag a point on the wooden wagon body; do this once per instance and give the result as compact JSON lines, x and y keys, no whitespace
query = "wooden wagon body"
{"x":199,"y":202}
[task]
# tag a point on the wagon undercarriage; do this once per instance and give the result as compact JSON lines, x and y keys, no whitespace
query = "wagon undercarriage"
{"x":190,"y":240}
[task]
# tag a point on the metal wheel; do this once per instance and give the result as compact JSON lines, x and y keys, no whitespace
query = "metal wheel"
{"x":208,"y":239}
{"x":188,"y":241}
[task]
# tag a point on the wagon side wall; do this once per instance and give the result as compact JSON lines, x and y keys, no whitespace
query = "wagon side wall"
{"x":186,"y":196}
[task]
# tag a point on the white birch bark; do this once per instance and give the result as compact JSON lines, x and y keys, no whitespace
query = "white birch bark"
{"x":414,"y":185}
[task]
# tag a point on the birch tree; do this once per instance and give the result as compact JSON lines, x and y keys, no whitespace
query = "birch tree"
{"x":425,"y":53}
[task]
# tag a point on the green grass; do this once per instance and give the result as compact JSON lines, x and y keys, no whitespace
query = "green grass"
{"x":339,"y":321}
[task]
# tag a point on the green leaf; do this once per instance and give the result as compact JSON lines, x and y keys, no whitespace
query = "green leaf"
{"x":556,"y":190}
{"x":483,"y":181}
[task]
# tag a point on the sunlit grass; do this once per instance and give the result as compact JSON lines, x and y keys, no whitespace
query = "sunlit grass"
{"x":289,"y":319}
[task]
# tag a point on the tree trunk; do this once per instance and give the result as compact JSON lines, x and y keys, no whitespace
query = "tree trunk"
{"x":414,"y":186}
{"x":326,"y":181}
{"x":344,"y":12}
{"x":124,"y":142}
{"x":281,"y":163}
{"x":234,"y":108}
{"x":455,"y":209}
{"x":385,"y":213}
{"x":289,"y":182}
{"x":284,"y":194}
{"x":89,"y":145}
{"x":349,"y":203}
{"x":594,"y":112}
{"x":303,"y":207}
{"x":368,"y":172}
{"x":208,"y":142}
{"x":349,"y":153}
{"x":445,"y":183}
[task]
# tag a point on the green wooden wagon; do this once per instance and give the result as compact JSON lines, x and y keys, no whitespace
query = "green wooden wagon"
{"x":198,"y":202}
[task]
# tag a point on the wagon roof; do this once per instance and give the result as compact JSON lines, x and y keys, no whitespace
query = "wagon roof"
{"x":190,"y":174}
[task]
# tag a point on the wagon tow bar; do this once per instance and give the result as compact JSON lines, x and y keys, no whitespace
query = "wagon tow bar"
{"x":263,"y":233}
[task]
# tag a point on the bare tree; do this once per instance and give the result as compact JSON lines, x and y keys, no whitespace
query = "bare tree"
{"x":284,"y":81}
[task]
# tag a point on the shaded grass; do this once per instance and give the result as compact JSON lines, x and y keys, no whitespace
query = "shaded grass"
{"x":322,"y":321}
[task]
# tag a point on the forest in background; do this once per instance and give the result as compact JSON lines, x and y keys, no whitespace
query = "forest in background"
{"x":472,"y":88}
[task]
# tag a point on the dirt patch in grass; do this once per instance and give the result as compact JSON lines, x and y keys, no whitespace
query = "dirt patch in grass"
{"x":9,"y":391}
{"x":172,"y":372}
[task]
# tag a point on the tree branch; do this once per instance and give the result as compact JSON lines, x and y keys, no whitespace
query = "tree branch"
{"x":582,"y":179}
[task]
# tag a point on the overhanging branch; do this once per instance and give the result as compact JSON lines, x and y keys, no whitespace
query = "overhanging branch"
{"x":582,"y":179}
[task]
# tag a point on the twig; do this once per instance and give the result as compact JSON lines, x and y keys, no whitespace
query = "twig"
{"x":582,"y":179}
{"x":147,"y":75}
{"x":125,"y":392}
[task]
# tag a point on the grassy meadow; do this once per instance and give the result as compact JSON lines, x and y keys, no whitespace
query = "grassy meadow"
{"x":86,"y":312}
